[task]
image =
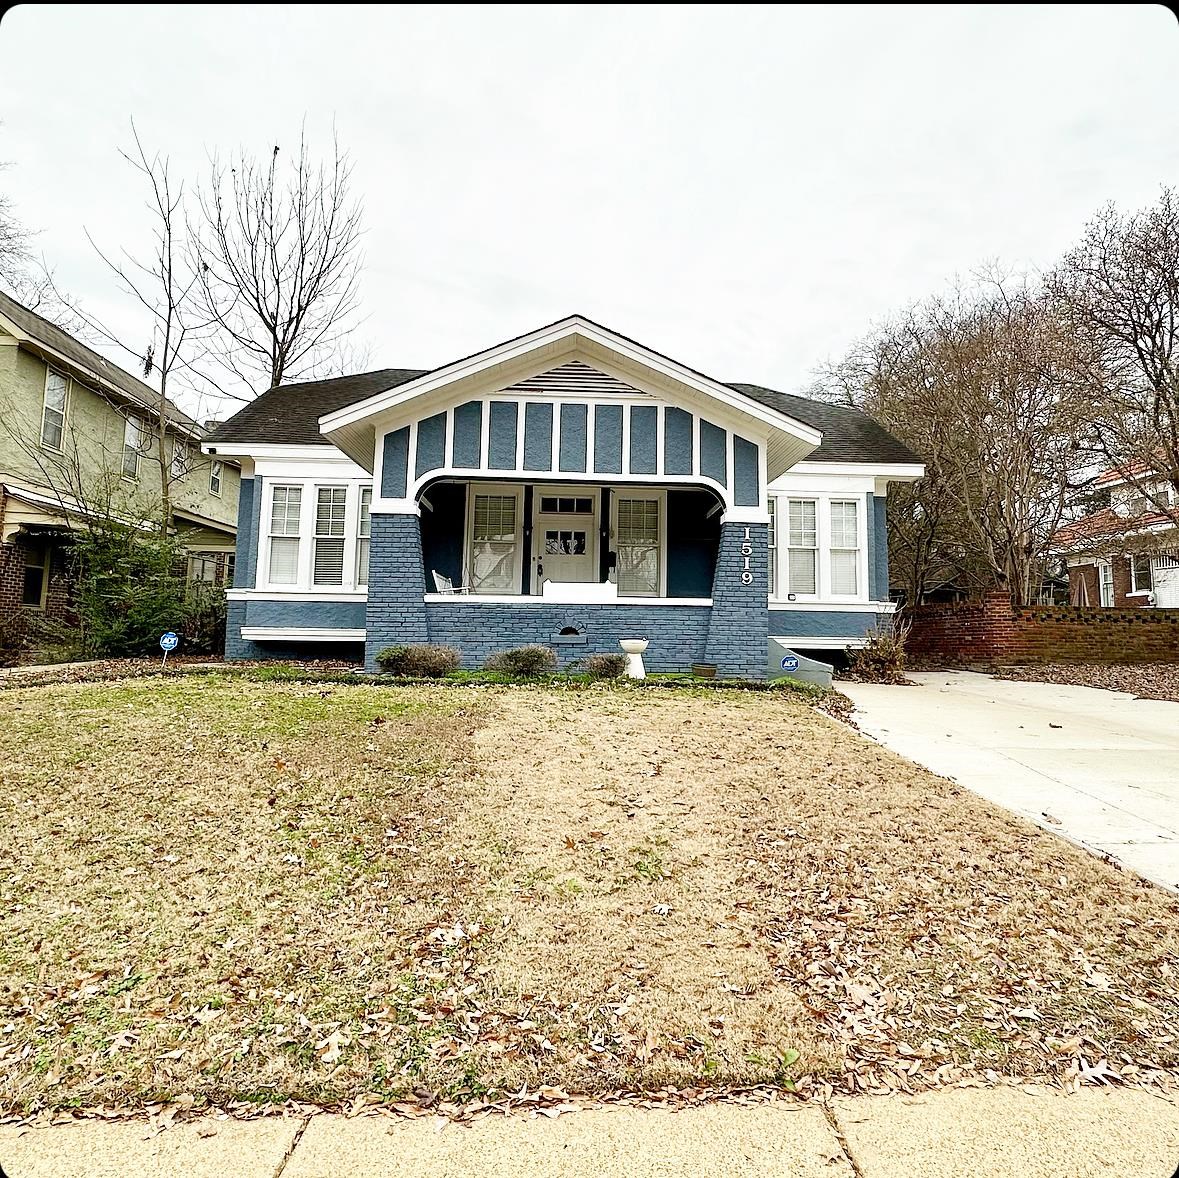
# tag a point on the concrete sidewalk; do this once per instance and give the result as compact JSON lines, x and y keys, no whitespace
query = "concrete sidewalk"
{"x":1100,"y":767}
{"x":984,"y":1133}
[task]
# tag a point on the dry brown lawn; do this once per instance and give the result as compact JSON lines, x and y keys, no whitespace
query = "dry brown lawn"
{"x":227,"y":891}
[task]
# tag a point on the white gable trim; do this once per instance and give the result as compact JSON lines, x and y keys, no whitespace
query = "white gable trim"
{"x":553,"y":337}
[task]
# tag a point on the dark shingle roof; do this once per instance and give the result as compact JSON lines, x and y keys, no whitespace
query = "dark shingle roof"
{"x":290,"y":415}
{"x":848,"y":434}
{"x":49,"y":335}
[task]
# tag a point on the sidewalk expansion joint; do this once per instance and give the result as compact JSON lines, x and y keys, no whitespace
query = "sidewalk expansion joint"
{"x":294,"y":1145}
{"x":833,"y":1121}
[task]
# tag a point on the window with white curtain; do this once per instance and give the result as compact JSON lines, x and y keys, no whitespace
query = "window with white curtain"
{"x":285,"y":508}
{"x":636,"y":541}
{"x":54,"y":410}
{"x":363,"y":535}
{"x":495,"y":544}
{"x":330,"y":506}
{"x":215,"y":471}
{"x":1105,"y":582}
{"x":845,"y":547}
{"x":802,"y":565}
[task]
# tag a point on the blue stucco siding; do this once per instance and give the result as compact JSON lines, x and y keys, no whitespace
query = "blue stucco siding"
{"x":677,"y":634}
{"x":574,"y":442}
{"x":738,"y":623}
{"x":431,"y":449}
{"x":468,"y":435}
{"x":822,"y":623}
{"x":677,"y":441}
{"x":643,"y":440}
{"x":538,"y":436}
{"x":746,"y":484}
{"x":341,"y":615}
{"x":878,"y":547}
{"x":395,"y":464}
{"x":714,"y":458}
{"x":501,"y":436}
{"x":608,"y":439}
{"x":246,"y":560}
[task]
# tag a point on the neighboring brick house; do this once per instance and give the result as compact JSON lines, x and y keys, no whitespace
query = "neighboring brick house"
{"x":67,"y":417}
{"x":569,"y":487}
{"x":1126,"y":554}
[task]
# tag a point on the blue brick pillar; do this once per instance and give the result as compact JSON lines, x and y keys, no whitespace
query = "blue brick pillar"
{"x":396,"y":613}
{"x":739,"y":623}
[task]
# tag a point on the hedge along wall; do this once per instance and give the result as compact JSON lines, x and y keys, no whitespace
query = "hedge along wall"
{"x":993,"y":631}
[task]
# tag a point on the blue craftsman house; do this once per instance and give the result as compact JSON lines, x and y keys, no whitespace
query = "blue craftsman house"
{"x":570,"y":487}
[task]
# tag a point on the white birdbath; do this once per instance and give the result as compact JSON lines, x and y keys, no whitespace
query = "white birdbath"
{"x":633,"y":649}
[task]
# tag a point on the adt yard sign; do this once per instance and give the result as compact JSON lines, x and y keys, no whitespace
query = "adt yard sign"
{"x":790,"y":662}
{"x":168,"y":641}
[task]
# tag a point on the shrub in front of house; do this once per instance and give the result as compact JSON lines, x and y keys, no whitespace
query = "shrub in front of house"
{"x":528,"y":662}
{"x":882,"y":657}
{"x":605,"y":666}
{"x":423,"y":661}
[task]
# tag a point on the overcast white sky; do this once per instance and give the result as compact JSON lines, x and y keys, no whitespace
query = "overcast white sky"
{"x":744,"y":188}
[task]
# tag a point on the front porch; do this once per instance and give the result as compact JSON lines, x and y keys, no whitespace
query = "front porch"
{"x":485,"y":565}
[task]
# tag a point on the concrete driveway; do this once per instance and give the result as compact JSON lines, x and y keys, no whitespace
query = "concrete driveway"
{"x":1099,"y":767}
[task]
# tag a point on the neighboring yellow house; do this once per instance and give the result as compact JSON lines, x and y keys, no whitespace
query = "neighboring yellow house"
{"x":76,"y":429}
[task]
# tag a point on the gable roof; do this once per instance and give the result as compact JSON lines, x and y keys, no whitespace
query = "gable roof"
{"x":848,"y":434}
{"x":289,"y":415}
{"x":1107,"y":526}
{"x":292,"y":414}
{"x":31,"y":329}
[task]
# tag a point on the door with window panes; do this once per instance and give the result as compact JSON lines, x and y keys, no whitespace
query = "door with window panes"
{"x":565,"y":536}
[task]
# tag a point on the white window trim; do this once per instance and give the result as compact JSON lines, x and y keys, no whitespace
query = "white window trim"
{"x":516,"y":490}
{"x":1135,"y":591}
{"x":303,"y":582}
{"x":660,"y":496}
{"x":1102,"y":567}
{"x":351,"y":511}
{"x":216,"y":471}
{"x":65,"y":408}
{"x":138,"y":422}
{"x":822,"y":501}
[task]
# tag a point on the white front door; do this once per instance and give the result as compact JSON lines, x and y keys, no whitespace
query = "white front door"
{"x":564,"y":535}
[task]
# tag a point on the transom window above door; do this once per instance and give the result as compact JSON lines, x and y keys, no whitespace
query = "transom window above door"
{"x":566,"y":504}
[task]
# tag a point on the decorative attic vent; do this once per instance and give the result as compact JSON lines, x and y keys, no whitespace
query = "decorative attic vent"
{"x":574,"y":379}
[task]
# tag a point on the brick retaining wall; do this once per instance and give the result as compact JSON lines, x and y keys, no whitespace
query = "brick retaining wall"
{"x":993,"y":631}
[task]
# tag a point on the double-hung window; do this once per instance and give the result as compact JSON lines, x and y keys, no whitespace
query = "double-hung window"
{"x":1141,"y":580}
{"x":54,"y":410}
{"x":286,"y":505}
{"x":495,"y":544}
{"x":181,"y":458}
{"x":330,"y":506}
{"x":802,"y":561}
{"x":1105,"y":582}
{"x":132,"y":444}
{"x":364,"y":530}
{"x":215,"y":472}
{"x":845,"y":547}
{"x":636,"y":542}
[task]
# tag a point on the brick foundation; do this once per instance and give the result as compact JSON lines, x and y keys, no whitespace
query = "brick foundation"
{"x":992,"y":631}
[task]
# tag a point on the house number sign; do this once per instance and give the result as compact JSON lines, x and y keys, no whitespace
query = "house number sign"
{"x":746,"y":553}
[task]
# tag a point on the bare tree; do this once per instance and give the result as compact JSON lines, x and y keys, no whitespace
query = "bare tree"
{"x":1117,"y":294}
{"x":971,"y":382}
{"x":164,"y":282}
{"x":279,"y":263}
{"x":15,"y":254}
